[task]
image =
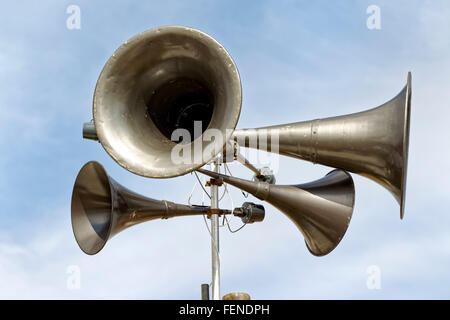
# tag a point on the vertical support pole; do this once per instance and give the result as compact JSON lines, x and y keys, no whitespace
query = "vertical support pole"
{"x":205,"y":291}
{"x":215,"y":236}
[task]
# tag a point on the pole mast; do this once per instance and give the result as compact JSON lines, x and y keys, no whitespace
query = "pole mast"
{"x":215,"y":234}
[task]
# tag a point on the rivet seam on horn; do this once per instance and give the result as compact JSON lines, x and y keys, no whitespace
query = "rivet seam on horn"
{"x":262,"y":190}
{"x":166,"y":213}
{"x":314,"y":140}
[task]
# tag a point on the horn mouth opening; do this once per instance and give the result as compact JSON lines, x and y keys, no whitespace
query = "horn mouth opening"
{"x":405,"y":145}
{"x":344,"y":179}
{"x":91,"y":208}
{"x":162,"y":80}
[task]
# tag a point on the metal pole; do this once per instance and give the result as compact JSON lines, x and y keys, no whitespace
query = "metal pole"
{"x":215,"y":236}
{"x":245,"y":162}
{"x":205,"y":291}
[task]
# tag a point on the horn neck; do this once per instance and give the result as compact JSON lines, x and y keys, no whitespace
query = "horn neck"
{"x":132,"y":208}
{"x":101,"y":208}
{"x":321,"y":209}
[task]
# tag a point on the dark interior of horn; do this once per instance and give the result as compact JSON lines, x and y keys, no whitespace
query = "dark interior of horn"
{"x":179,"y":97}
{"x":179,"y":104}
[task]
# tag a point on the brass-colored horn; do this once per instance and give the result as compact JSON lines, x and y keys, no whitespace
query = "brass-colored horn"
{"x":101,"y":208}
{"x":372,"y":143}
{"x":321,"y":209}
{"x":159,"y":81}
{"x":236,"y":296}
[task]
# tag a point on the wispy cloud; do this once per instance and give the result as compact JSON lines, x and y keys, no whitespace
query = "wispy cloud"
{"x":298,"y":61}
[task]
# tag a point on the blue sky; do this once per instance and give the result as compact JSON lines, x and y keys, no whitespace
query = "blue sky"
{"x":298,"y":60}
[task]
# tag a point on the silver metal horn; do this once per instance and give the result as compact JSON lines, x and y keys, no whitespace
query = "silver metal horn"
{"x":321,"y":209}
{"x":159,"y":81}
{"x":372,"y":143}
{"x":101,"y":208}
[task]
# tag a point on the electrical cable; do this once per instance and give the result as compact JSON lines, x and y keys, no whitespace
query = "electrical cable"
{"x":232,"y":206}
{"x":204,"y":218}
{"x":223,"y":194}
{"x":192,"y":192}
{"x":201,"y":184}
{"x":229,"y":171}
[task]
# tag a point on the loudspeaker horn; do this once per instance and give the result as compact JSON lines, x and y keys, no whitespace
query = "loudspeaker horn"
{"x":321,"y":209}
{"x":372,"y":143}
{"x":101,"y":208}
{"x":161,"y":80}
